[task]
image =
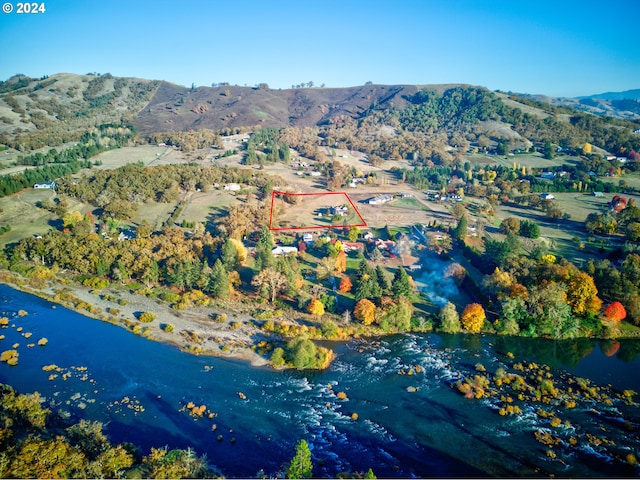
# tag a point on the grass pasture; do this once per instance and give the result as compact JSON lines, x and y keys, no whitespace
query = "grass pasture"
{"x":204,"y":204}
{"x":153,"y":213}
{"x":147,"y":154}
{"x":25,"y":218}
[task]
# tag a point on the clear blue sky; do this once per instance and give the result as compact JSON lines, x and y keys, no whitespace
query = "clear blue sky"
{"x":559,"y":47}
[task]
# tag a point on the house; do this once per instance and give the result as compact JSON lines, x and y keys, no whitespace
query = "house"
{"x":51,"y":184}
{"x":546,"y":196}
{"x":341,"y":210}
{"x":315,"y":173}
{"x":415,"y":267}
{"x":598,"y":194}
{"x":380,"y":199}
{"x":352,"y":246}
{"x":547,"y":175}
{"x":126,"y":235}
{"x":232,"y":187}
{"x":307,"y":238}
{"x":282,"y":250}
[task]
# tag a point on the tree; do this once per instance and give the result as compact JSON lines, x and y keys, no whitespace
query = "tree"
{"x":219,"y":285}
{"x":529,"y":229}
{"x":301,"y":465}
{"x":615,"y":312}
{"x":449,"y":319}
{"x":460,"y":232}
{"x":270,"y":282}
{"x":264,"y":250}
{"x":345,"y":284}
{"x":401,"y":284}
{"x":473,"y":317}
{"x":458,"y":211}
{"x":353,"y":234}
{"x":510,"y":226}
{"x":587,"y":148}
{"x":71,"y":219}
{"x":382,"y":280}
{"x":582,"y":294}
{"x":315,"y":307}
{"x":229,"y":255}
{"x":365,"y":311}
{"x":241,"y":250}
{"x":397,"y":316}
{"x":547,"y":151}
{"x":341,"y":262}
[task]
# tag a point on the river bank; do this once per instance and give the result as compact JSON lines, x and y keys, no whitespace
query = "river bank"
{"x":194,"y":329}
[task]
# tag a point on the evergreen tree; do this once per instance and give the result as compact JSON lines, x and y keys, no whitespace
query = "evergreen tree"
{"x":401,"y":284}
{"x":367,"y":283}
{"x":264,"y":250}
{"x":460,"y":232}
{"x":382,"y":280}
{"x":301,"y":465}
{"x":219,"y":285}
{"x":229,"y":255}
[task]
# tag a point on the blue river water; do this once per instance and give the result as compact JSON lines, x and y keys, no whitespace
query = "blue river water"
{"x":410,"y":421}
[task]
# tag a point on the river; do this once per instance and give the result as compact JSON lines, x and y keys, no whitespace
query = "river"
{"x":412,"y":424}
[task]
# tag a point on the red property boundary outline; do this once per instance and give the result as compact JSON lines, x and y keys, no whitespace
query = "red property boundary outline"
{"x":355,"y":209}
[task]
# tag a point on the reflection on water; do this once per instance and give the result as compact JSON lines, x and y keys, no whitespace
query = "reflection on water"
{"x":399,"y":415}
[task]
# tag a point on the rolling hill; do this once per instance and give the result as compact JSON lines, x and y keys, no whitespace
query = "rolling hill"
{"x":57,"y":109}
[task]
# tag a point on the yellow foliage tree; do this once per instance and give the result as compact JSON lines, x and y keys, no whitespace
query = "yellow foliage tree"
{"x":587,"y":149}
{"x":473,"y":317}
{"x":341,"y":262}
{"x":316,"y":307}
{"x":365,"y":311}
{"x":582,"y":294}
{"x":240,"y":249}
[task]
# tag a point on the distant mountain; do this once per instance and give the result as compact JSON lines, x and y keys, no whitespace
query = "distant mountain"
{"x":61,"y":108}
{"x":626,"y":95}
{"x":613,"y":104}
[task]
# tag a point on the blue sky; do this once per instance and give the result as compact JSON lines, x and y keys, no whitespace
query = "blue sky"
{"x":559,"y":48}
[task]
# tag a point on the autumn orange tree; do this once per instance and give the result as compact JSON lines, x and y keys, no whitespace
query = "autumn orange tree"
{"x":615,"y":312}
{"x":365,"y":311}
{"x":345,"y":284}
{"x":473,"y":317}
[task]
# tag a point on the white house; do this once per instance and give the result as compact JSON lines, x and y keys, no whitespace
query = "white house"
{"x":282,"y":250}
{"x":380,"y":199}
{"x":45,"y":185}
{"x":307,"y":238}
{"x":546,"y":196}
{"x":233,"y":187}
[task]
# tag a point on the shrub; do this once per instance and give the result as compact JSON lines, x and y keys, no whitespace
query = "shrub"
{"x":168,"y":327}
{"x":96,"y":282}
{"x":147,"y":317}
{"x":169,"y":297}
{"x":9,"y":356}
{"x":277,"y":357}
